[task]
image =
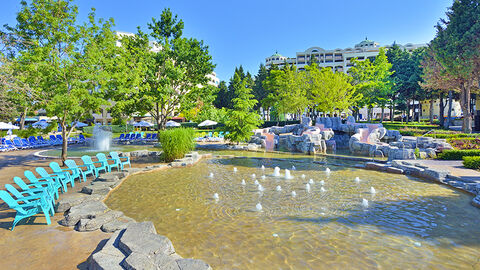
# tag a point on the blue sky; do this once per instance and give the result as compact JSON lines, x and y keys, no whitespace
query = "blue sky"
{"x":245,"y":32}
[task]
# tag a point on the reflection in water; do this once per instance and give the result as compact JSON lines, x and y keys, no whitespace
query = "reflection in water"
{"x":408,"y":223}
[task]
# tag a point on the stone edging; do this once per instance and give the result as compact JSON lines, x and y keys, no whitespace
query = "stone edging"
{"x":134,"y":245}
{"x":441,"y":176}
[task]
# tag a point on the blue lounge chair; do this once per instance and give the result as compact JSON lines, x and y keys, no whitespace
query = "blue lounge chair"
{"x":72,"y":165}
{"x":53,"y":140}
{"x":41,"y":140}
{"x":154,"y":136}
{"x":148,"y":137}
{"x":120,"y":138}
{"x":82,"y":139}
{"x":26,"y":144}
{"x":10,"y":145}
{"x":18,"y":144}
{"x":87,"y":160}
{"x":26,"y":206}
{"x":126,"y":138}
{"x":49,"y":183}
{"x":33,"y":142}
{"x":118,"y":160}
{"x":102,"y":158}
{"x":62,"y":174}
{"x":58,"y":178}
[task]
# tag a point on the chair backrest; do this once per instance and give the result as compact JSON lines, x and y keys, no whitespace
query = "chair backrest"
{"x":81,"y":136}
{"x":154,"y":136}
{"x":20,"y":183}
{"x":30,"y":176}
{"x":114,"y":155}
{"x":32,"y":140}
{"x":148,"y":136}
{"x":59,"y":137}
{"x":87,"y":160}
{"x":13,"y":190}
{"x":55,"y":167}
{"x":121,"y":136}
{"x":71,"y":163}
{"x":42,"y":172}
{"x":8,"y":199}
{"x":101,"y":157}
{"x":8,"y":142}
{"x":39,"y":138}
{"x":127,"y":136}
{"x":53,"y":138}
{"x":138,"y":136}
{"x":25,"y":142}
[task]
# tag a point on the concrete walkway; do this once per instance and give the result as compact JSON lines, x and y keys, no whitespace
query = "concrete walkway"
{"x":455,"y":167}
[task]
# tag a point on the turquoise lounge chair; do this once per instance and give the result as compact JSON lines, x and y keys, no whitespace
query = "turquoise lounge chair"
{"x":87,"y":160}
{"x":102,"y":158}
{"x":72,"y":165}
{"x":30,"y":190}
{"x":50,"y":184}
{"x":118,"y":160}
{"x":27,"y":206}
{"x":61,"y":179}
{"x":63,"y":175}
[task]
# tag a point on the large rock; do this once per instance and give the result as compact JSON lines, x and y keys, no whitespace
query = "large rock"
{"x":192,"y":264}
{"x":142,"y":238}
{"x":109,"y":257}
{"x":100,"y":188}
{"x":98,"y":221}
{"x":85,"y":210}
{"x":117,"y":224}
{"x":138,"y":261}
{"x":72,"y":199}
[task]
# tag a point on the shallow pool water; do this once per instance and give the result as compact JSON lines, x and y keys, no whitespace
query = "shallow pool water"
{"x":408,"y":223}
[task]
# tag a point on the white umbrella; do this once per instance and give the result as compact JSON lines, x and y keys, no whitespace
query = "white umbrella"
{"x":79,"y":124}
{"x":40,"y":124}
{"x":207,"y":123}
{"x":143,"y":124}
{"x":4,"y":125}
{"x":172,"y":124}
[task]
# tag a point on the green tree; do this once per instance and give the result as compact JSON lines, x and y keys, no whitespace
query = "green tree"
{"x":288,"y":90}
{"x":329,"y":91}
{"x":456,"y":47}
{"x":259,"y":91}
{"x":74,"y":61}
{"x":177,"y":68}
{"x":222,"y":99}
{"x":242,"y":119}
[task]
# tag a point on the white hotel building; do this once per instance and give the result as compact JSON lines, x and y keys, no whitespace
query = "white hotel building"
{"x":337,"y":59}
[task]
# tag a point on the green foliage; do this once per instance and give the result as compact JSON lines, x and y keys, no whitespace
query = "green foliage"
{"x":280,"y":123}
{"x":189,"y":125}
{"x":114,"y":128}
{"x":329,"y":91}
{"x":241,"y":120}
{"x":51,"y":127}
{"x":29,"y":131}
{"x":176,"y":69}
{"x":417,"y":152}
{"x":453,"y":135}
{"x":457,"y":154}
{"x":176,"y":143}
{"x":471,"y":162}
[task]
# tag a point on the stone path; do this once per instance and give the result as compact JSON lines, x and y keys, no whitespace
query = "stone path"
{"x":455,"y":167}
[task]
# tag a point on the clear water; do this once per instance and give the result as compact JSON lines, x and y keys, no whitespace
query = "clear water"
{"x":409,"y":223}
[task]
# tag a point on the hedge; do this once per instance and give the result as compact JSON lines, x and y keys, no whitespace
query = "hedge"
{"x":279,"y":123}
{"x":471,"y":162}
{"x":451,"y":136}
{"x":457,"y":154}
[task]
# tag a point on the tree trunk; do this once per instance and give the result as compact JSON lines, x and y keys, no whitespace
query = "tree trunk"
{"x":407,"y":119}
{"x":441,"y":117}
{"x":22,"y":118}
{"x":368,"y":115}
{"x":465,"y":104}
{"x":392,"y":111}
{"x":383,"y":114}
{"x":431,"y":111}
{"x":449,"y":114}
{"x":64,"y":142}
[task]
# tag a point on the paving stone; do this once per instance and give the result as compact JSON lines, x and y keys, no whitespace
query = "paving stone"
{"x":394,"y":170}
{"x":109,"y":257}
{"x":165,"y":262}
{"x":100,"y":188}
{"x":117,"y":224}
{"x":138,"y":261}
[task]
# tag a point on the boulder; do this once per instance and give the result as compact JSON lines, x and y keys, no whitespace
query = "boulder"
{"x":72,"y":199}
{"x":167,"y":262}
{"x":98,"y":221}
{"x":100,"y":188}
{"x":85,"y":210}
{"x":138,"y":261}
{"x":117,"y":224}
{"x":109,"y":257}
{"x":476,"y":201}
{"x":142,"y":238}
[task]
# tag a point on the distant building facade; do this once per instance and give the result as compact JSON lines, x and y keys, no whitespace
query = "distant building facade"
{"x":337,"y":59}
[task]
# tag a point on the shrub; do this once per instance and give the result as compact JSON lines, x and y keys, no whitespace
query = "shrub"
{"x":452,"y":135}
{"x":471,"y":162}
{"x":457,"y":154}
{"x":25,"y":133}
{"x":464,"y":143}
{"x":189,"y":125}
{"x":279,"y":123}
{"x":176,"y":143}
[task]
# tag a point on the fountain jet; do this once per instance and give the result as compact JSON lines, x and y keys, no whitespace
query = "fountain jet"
{"x":243,"y":182}
{"x":294,"y":193}
{"x":287,"y":174}
{"x":365,"y":203}
{"x":216,"y":197}
{"x":211,"y":175}
{"x":276,"y":172}
{"x":311,"y":182}
{"x":307,"y":187}
{"x":234,"y":169}
{"x":259,"y":207}
{"x":279,"y":188}
{"x":357,"y":179}
{"x":372,"y":190}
